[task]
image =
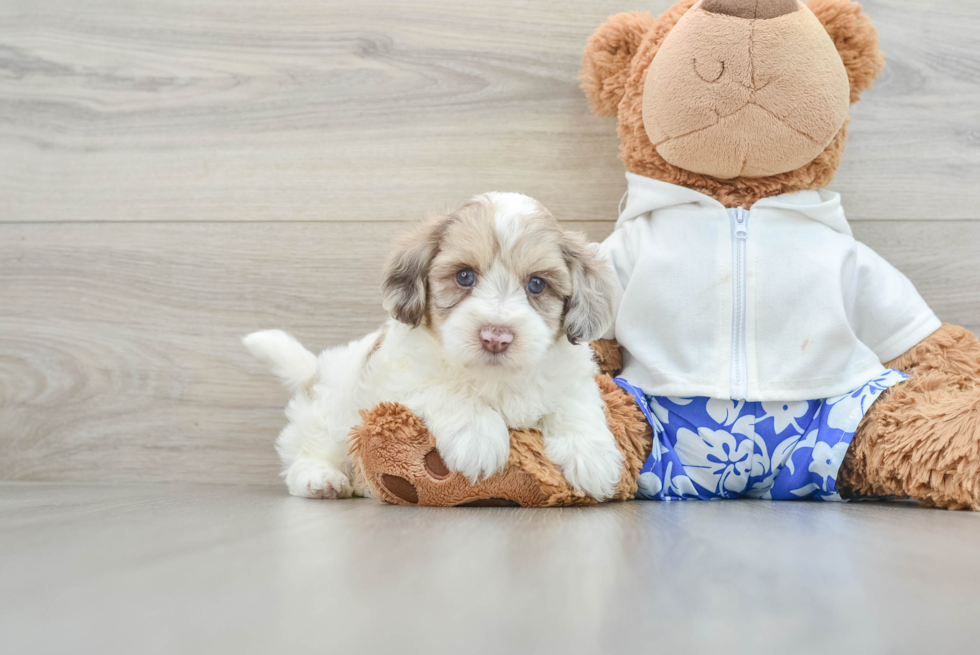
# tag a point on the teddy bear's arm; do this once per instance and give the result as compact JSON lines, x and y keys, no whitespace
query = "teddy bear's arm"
{"x":608,"y":355}
{"x":951,"y":350}
{"x":885,"y":309}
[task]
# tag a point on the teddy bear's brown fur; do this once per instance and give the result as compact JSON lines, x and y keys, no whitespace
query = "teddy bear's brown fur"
{"x":920,"y":439}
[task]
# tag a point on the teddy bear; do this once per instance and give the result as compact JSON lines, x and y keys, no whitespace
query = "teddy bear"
{"x":758,"y":349}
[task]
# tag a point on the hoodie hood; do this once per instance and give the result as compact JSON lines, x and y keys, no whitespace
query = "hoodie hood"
{"x":645,"y":194}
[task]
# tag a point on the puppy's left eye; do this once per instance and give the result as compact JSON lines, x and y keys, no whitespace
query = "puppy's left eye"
{"x":536,"y":285}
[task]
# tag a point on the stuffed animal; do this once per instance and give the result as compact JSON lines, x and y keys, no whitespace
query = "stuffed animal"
{"x":765,"y":352}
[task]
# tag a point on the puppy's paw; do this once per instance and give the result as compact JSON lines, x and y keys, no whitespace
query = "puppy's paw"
{"x":589,"y":461}
{"x":313,"y":478}
{"x":477,"y":449}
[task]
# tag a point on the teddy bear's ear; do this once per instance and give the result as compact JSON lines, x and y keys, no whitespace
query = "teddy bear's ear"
{"x":856,"y":40}
{"x":607,"y":57}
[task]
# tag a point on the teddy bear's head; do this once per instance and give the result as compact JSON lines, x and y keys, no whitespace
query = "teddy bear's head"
{"x":738,"y":99}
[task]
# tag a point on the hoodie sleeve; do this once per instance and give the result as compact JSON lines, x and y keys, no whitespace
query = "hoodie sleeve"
{"x":887,"y":313}
{"x":617,"y":250}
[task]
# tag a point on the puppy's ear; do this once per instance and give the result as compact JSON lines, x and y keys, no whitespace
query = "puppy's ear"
{"x":607,"y":57}
{"x":856,"y":40}
{"x":589,"y":310}
{"x":405,"y":279}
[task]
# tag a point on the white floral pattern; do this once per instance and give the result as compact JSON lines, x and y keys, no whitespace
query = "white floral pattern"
{"x":724,"y":411}
{"x":659,"y":411}
{"x":649,"y":485}
{"x":827,"y":460}
{"x":785,"y":414}
{"x":715,"y":459}
{"x":711,"y":448}
{"x":847,"y":411}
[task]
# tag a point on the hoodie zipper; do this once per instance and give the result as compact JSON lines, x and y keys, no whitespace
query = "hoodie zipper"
{"x":740,"y":367}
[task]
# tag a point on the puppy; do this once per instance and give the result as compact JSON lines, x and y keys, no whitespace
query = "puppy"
{"x":492,"y":307}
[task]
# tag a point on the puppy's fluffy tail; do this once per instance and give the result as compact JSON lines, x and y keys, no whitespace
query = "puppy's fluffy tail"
{"x":284,"y":355}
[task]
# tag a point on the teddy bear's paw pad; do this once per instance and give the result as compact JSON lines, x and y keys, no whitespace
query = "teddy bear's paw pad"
{"x":490,"y":502}
{"x":435,"y":466}
{"x":401,"y":488}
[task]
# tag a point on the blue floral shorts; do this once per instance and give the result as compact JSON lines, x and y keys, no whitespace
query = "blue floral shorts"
{"x":711,"y":448}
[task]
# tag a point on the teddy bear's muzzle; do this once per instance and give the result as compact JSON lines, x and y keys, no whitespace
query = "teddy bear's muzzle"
{"x":743,"y":88}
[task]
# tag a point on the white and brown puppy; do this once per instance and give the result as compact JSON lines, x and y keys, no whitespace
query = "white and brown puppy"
{"x":493,"y":307}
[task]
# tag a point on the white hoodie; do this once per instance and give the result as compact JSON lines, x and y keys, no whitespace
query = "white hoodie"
{"x":778,"y":302}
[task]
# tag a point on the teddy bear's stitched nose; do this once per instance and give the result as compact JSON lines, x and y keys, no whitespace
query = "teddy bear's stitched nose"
{"x":752,"y":9}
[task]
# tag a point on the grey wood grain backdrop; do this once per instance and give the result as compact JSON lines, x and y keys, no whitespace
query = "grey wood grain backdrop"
{"x":176,"y":173}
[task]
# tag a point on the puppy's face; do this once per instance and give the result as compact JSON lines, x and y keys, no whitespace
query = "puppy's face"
{"x":498,"y":282}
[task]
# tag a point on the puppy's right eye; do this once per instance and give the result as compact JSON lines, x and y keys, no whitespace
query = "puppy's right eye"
{"x":465,"y":278}
{"x":536,"y":285}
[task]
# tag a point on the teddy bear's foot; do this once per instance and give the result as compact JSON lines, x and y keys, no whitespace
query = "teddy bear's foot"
{"x":921,"y":439}
{"x":397,"y":457}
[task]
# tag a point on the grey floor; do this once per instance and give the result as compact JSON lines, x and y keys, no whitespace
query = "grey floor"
{"x":219,"y":569}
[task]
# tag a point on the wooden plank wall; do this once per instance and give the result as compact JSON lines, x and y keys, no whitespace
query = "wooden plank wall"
{"x":177,"y":173}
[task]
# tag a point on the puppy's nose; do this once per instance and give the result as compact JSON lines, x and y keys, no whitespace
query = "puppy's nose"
{"x":495,"y":339}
